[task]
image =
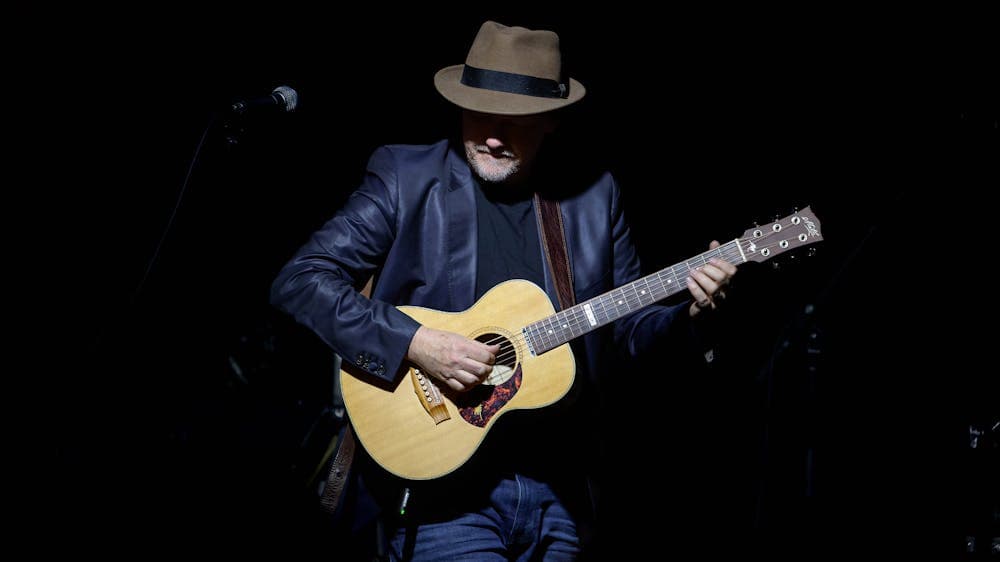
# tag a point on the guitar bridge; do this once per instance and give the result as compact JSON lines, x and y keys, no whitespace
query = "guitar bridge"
{"x":430,"y":396}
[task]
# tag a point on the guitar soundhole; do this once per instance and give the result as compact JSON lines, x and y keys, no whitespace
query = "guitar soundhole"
{"x":506,"y":363}
{"x":480,"y":404}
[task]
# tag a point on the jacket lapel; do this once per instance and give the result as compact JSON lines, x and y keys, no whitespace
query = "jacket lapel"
{"x":460,"y":207}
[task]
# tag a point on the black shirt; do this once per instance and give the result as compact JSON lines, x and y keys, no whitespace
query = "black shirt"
{"x":508,"y":240}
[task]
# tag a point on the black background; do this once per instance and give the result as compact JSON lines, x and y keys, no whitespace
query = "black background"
{"x":884,"y":123}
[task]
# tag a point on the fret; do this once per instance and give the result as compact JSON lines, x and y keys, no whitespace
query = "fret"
{"x":661,"y":279}
{"x":528,"y":333}
{"x":646,"y":296}
{"x":566,"y":322}
{"x":575,"y":321}
{"x":600,"y":310}
{"x":637,"y":293}
{"x":552,"y":328}
{"x":656,"y":290}
{"x":608,"y":306}
{"x":661,"y":282}
{"x":545,"y":332}
{"x":620,"y":301}
{"x":665,"y":287}
{"x":581,"y":324}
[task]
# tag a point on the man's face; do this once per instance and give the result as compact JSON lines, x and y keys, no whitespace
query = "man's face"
{"x":501,"y":148}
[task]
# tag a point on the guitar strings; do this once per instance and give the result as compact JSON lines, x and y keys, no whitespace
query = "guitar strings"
{"x":514,"y":351}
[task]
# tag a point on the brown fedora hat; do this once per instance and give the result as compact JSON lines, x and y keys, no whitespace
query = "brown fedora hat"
{"x":510,"y":71}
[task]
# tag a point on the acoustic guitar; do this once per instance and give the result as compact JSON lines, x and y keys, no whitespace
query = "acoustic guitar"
{"x":417,"y":428}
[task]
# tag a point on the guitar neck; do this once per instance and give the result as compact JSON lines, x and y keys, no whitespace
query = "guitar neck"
{"x":585,"y":317}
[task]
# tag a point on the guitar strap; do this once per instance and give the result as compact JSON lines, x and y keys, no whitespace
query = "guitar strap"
{"x":554,"y":240}
{"x":340,"y":468}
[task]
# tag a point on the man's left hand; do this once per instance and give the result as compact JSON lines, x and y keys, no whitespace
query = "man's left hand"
{"x":708,"y":284}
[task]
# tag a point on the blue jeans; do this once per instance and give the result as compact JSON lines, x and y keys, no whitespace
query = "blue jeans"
{"x":523,"y":520}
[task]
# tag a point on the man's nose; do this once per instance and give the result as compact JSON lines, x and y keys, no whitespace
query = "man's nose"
{"x":494,"y":143}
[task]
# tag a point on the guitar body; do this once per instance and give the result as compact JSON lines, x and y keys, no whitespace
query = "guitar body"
{"x":392,"y":421}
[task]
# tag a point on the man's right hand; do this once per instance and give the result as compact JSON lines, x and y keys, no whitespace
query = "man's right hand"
{"x":462,"y":363}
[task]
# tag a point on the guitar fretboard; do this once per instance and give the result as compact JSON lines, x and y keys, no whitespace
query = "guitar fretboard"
{"x":584,"y":317}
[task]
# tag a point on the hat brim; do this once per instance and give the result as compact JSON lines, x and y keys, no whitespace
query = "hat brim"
{"x":448,"y":83}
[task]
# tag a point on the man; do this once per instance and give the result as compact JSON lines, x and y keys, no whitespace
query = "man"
{"x":439,"y":226}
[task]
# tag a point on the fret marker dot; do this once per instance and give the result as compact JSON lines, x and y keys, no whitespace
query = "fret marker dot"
{"x":619,"y":302}
{"x":550,"y":331}
{"x":670,"y":280}
{"x":644,"y":292}
{"x":565,"y":326}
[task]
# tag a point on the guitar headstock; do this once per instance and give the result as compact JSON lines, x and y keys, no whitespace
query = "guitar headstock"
{"x":796,"y":230}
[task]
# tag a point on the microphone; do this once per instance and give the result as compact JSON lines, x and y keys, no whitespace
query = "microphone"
{"x":284,"y":97}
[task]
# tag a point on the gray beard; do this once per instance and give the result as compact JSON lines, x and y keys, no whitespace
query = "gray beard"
{"x":491,"y":174}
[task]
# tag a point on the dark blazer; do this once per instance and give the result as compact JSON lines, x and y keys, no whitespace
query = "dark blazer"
{"x":412,"y":223}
